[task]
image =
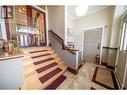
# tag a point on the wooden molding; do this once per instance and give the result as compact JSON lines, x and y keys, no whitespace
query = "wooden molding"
{"x":61,"y":41}
{"x":7,"y":25}
{"x":110,"y":48}
{"x":30,"y":20}
{"x":111,"y":67}
{"x":113,"y":77}
{"x":108,"y":66}
{"x":72,"y":70}
{"x":10,"y":57}
{"x":104,"y":63}
{"x":80,"y":66}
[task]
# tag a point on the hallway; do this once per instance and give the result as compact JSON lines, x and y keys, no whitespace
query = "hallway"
{"x":83,"y":80}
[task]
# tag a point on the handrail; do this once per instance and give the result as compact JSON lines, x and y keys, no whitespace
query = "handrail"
{"x":65,"y":47}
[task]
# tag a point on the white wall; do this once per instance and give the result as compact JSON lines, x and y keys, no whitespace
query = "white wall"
{"x":69,"y":23}
{"x":56,"y":19}
{"x":119,"y":10}
{"x":100,"y":18}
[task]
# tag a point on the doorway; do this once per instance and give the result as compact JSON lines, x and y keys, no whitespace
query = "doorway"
{"x":121,"y":63}
{"x":93,"y":44}
{"x":30,"y":26}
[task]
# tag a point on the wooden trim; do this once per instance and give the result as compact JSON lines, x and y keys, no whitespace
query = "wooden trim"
{"x":104,"y":63}
{"x":110,"y":48}
{"x":10,"y":57}
{"x":45,"y":28}
{"x":7,"y":25}
{"x":92,"y":88}
{"x":108,"y":66}
{"x":114,"y":80}
{"x":37,"y":9}
{"x":72,"y":70}
{"x":111,"y":67}
{"x":44,"y":23}
{"x":80,"y":66}
{"x":124,"y":88}
{"x":113,"y":77}
{"x":62,"y":42}
{"x":29,"y":16}
{"x":30,"y":19}
{"x":56,"y":35}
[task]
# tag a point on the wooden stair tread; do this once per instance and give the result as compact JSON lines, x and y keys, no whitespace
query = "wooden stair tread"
{"x":34,"y":83}
{"x":39,"y":64}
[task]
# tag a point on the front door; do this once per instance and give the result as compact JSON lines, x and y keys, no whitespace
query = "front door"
{"x":122,"y":58}
{"x":92,"y":44}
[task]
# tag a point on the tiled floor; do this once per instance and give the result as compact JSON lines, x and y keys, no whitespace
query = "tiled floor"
{"x":83,"y":80}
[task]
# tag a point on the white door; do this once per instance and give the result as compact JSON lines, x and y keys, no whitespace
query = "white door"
{"x":122,"y":57}
{"x":92,"y":44}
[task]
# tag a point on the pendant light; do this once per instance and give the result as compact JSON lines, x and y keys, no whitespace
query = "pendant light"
{"x":81,"y":10}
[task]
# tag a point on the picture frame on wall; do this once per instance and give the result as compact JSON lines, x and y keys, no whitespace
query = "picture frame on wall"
{"x":69,"y":32}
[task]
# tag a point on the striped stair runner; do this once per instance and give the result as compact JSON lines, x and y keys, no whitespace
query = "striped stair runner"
{"x":56,"y":83}
{"x":46,"y":67}
{"x":43,"y":69}
{"x":42,"y":61}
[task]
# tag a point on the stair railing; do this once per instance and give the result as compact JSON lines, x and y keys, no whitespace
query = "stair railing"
{"x":71,"y":57}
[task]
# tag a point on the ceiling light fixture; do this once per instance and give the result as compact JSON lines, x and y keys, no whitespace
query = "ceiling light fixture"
{"x":81,"y":10}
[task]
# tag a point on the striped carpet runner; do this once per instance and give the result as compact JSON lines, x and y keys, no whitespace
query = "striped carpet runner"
{"x":42,"y":61}
{"x":44,"y":68}
{"x":40,"y":56}
{"x":56,"y":83}
{"x":50,"y":75}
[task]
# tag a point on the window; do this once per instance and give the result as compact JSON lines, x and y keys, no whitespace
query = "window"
{"x":124,"y":37}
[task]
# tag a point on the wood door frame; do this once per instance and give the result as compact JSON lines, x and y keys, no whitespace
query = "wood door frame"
{"x":44,"y":13}
{"x":102,"y":36}
{"x":117,"y":56}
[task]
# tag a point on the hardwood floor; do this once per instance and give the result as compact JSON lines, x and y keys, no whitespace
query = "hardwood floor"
{"x":39,"y":64}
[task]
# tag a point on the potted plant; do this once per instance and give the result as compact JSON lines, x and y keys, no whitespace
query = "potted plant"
{"x":5,"y":46}
{"x":13,"y":46}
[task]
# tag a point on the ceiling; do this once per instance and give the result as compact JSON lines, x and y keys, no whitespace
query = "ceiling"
{"x":91,"y":9}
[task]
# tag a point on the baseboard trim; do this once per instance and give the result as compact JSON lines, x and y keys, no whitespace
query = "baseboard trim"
{"x":104,"y":63}
{"x":108,"y":66}
{"x":111,"y":67}
{"x":72,"y":70}
{"x":124,"y":88}
{"x":80,"y":66}
{"x":114,"y":80}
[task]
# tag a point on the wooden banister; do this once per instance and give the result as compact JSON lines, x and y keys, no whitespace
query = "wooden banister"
{"x":65,"y":47}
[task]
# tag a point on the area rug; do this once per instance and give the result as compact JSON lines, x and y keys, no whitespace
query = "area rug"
{"x":105,"y":78}
{"x":56,"y":83}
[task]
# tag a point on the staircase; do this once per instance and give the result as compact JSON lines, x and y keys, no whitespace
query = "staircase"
{"x":42,"y":67}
